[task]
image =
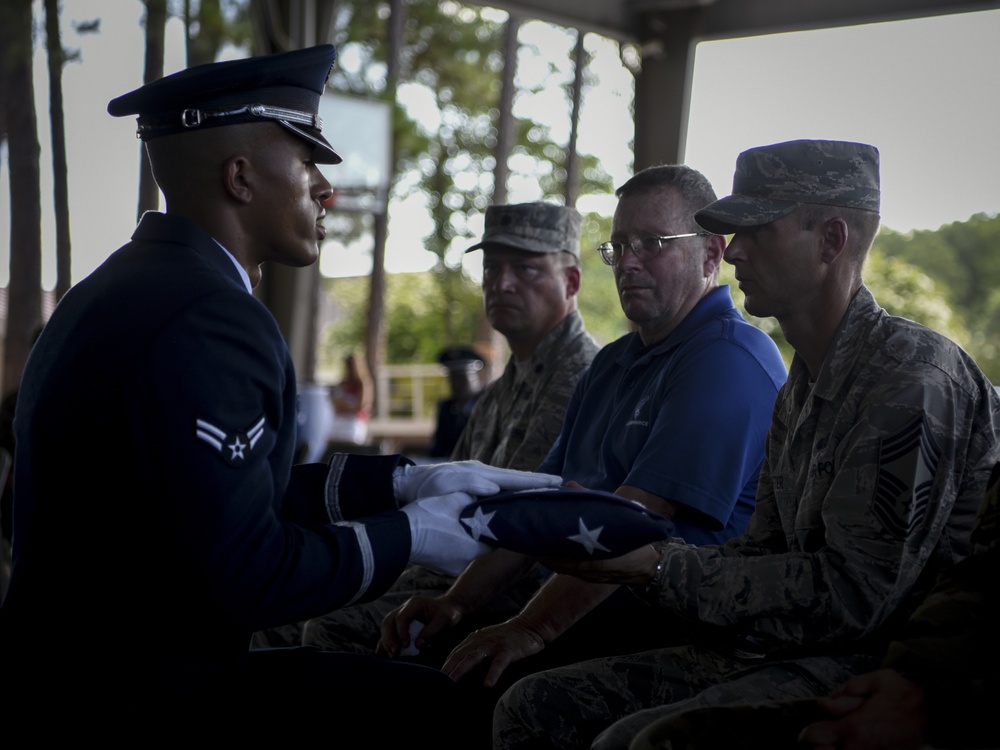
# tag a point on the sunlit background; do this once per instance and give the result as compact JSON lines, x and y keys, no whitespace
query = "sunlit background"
{"x":926,"y":92}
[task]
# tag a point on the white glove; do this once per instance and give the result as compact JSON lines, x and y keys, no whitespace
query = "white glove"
{"x":437,"y":538}
{"x":474,"y":477}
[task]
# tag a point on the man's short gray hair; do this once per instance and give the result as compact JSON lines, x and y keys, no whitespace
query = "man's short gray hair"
{"x":693,"y":186}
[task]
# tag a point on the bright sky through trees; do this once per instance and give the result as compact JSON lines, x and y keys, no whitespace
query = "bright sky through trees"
{"x":926,"y":92}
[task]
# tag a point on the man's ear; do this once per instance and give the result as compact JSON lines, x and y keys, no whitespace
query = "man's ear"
{"x":236,"y":180}
{"x":715,"y":246}
{"x":833,"y":236}
{"x":572,"y":280}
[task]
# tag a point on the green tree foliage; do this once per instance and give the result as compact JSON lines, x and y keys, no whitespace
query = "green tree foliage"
{"x":960,"y":256}
{"x":962,"y":259}
{"x":909,"y":289}
{"x":210,"y":25}
{"x":899,"y":286}
{"x":414,"y":316}
{"x":907,"y":292}
{"x":598,"y":298}
{"x":452,"y":61}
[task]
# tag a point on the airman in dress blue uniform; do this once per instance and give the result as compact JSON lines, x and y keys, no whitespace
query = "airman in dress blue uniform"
{"x":158,"y":520}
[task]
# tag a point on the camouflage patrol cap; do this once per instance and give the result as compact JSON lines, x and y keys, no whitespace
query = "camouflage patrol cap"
{"x":772,"y":181}
{"x":285,"y":89}
{"x":535,"y":227}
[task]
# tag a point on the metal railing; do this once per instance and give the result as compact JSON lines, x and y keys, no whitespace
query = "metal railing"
{"x":406,"y":407}
{"x":409,"y":392}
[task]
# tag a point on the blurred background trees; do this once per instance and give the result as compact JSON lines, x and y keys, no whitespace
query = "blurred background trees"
{"x":454,"y":158}
{"x":455,"y":59}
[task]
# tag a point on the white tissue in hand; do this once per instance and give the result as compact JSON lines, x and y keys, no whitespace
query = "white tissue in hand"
{"x":415,"y":627}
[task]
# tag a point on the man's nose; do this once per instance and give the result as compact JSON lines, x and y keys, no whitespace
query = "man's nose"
{"x":505,"y":278}
{"x":734,"y":250}
{"x":628,"y":258}
{"x":322,"y":188}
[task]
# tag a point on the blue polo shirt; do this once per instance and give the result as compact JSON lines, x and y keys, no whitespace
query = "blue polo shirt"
{"x":685,"y":420}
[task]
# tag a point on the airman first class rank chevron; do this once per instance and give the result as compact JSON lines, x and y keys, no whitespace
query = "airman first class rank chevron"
{"x":232,"y":447}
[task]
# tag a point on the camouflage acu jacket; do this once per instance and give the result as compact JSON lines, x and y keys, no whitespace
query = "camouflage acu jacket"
{"x":519,"y":415}
{"x":949,"y":645}
{"x":871,"y":481}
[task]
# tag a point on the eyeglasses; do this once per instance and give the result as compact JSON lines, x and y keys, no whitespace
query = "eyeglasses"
{"x":643,"y":247}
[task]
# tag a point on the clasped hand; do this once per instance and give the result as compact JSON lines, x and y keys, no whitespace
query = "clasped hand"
{"x":497,"y":647}
{"x":438,"y":613}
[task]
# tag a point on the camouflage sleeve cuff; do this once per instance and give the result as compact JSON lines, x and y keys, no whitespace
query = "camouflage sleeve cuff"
{"x":651,"y":591}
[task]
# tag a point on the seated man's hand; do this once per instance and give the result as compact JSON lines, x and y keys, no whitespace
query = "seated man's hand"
{"x":635,"y":567}
{"x":880,"y":709}
{"x":496,"y":647}
{"x":438,"y":613}
{"x":473,"y":477}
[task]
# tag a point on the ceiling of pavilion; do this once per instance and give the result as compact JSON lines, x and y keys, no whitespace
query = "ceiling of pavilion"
{"x":720,"y":19}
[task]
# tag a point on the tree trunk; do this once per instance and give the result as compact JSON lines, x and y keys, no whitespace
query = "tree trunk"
{"x":56,"y":60}
{"x":375,"y":332}
{"x":505,"y":120}
{"x":491,"y":343}
{"x":203,"y":47}
{"x":24,"y":301}
{"x":156,"y":22}
{"x":572,"y":157}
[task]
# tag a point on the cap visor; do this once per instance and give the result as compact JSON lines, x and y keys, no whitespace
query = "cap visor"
{"x":735,"y":212}
{"x":516,"y":243}
{"x":324,"y":153}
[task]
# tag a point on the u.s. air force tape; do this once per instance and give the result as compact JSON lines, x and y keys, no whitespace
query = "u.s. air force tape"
{"x":560,"y":522}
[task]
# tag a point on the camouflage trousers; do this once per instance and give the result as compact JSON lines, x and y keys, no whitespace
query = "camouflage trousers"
{"x":775,"y":726}
{"x":606,"y":703}
{"x":357,"y":629}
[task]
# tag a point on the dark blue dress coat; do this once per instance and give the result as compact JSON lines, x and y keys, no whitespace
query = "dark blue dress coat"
{"x":158,"y":518}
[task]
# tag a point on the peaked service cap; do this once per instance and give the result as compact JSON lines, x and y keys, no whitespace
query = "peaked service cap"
{"x":564,"y":523}
{"x":772,"y":181}
{"x":284,"y":88}
{"x":536,"y":227}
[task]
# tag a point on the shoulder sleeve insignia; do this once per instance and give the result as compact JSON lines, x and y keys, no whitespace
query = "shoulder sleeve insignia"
{"x":234,"y":447}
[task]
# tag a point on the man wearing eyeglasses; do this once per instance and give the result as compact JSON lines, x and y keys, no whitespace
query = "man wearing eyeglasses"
{"x":645,"y":417}
{"x":672,"y":415}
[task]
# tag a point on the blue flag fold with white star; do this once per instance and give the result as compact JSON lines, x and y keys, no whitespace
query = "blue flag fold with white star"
{"x":562,"y":522}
